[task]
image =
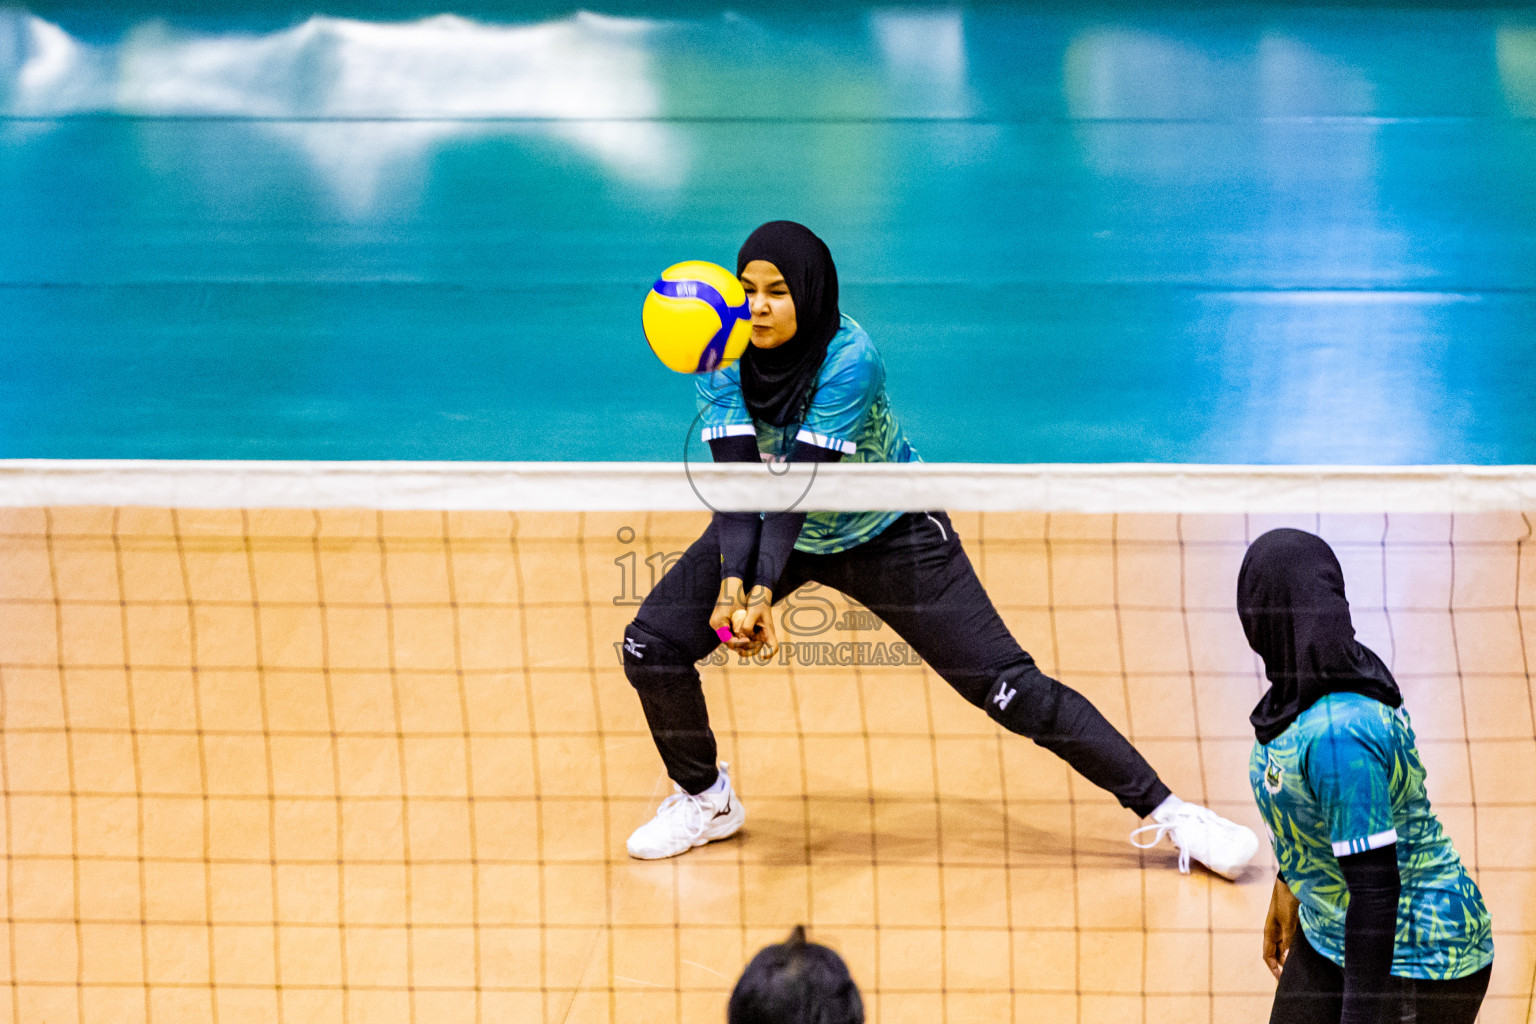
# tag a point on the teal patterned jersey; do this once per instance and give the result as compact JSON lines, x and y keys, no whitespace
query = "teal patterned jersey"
{"x":1346,"y":778}
{"x":849,"y":413}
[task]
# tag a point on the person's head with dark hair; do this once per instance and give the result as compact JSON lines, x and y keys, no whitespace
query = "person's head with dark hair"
{"x":796,"y":982}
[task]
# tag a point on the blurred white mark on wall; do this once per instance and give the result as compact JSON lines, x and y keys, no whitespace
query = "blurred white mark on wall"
{"x":42,"y":67}
{"x":1516,"y":52}
{"x":1295,"y":80}
{"x":925,"y":60}
{"x":585,"y":80}
{"x":1132,"y":73}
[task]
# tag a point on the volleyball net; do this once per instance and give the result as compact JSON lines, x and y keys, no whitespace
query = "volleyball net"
{"x":316,"y":763}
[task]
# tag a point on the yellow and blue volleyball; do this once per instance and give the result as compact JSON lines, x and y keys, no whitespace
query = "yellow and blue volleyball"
{"x":696,"y":317}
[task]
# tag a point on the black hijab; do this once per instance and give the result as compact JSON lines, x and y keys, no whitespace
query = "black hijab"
{"x":777,"y":382}
{"x":1290,"y":596}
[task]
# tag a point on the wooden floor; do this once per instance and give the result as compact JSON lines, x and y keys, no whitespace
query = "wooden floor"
{"x":358,"y":766}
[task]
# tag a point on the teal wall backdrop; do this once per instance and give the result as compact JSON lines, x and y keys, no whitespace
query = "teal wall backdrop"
{"x":1249,"y":234}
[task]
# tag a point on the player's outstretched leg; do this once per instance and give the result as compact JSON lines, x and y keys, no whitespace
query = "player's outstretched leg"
{"x":1024,"y":700}
{"x":671,"y":633}
{"x":916,"y":576}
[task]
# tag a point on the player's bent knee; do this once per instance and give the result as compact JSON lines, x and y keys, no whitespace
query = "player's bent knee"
{"x":1023,"y":702}
{"x":650,"y":660}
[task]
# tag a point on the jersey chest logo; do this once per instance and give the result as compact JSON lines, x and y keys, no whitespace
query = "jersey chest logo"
{"x":1274,"y":774}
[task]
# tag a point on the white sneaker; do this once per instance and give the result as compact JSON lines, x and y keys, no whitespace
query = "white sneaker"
{"x":1200,"y":833}
{"x":684,"y":821}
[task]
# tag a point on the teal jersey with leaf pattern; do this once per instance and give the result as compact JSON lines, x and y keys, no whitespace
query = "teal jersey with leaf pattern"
{"x":848,"y":413}
{"x":1344,"y":778}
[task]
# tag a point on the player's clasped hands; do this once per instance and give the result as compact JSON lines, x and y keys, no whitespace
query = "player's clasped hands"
{"x":743,"y":620}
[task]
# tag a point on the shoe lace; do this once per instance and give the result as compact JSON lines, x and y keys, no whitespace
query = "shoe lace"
{"x":1185,"y":815}
{"x":1159,"y":830}
{"x":684,"y":809}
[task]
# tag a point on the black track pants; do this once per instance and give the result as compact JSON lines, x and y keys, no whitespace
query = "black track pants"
{"x":1311,"y":991}
{"x":916,"y":577}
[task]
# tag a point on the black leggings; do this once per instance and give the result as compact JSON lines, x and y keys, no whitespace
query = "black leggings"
{"x":1311,"y":991}
{"x":916,"y":577}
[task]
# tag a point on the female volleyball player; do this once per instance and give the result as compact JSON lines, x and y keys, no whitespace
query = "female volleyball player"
{"x":1391,"y":926}
{"x":811,"y":388}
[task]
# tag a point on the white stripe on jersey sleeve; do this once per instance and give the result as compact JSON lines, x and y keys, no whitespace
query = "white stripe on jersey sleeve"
{"x":1345,"y":847}
{"x":824,"y":441}
{"x":728,"y":430}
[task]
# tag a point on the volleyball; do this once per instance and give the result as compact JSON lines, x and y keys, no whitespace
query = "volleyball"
{"x":696,"y":317}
